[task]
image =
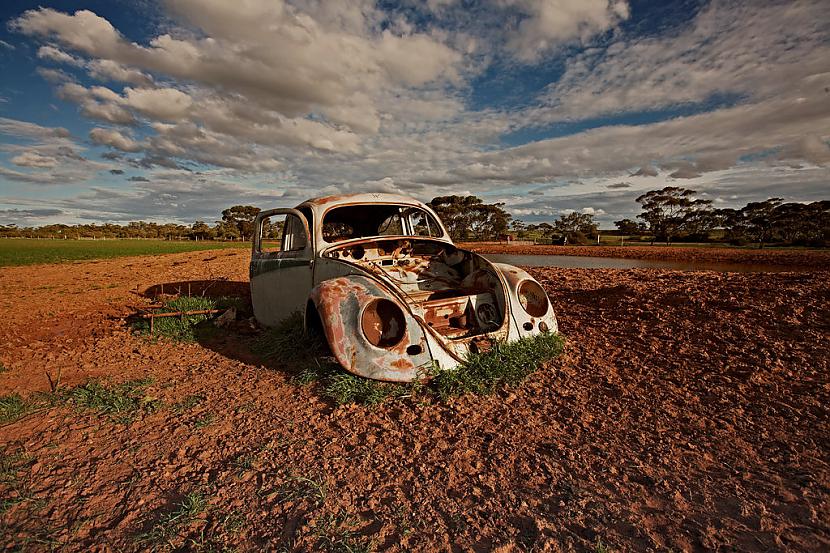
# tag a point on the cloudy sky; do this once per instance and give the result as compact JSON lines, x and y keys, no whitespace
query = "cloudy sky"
{"x":172,"y":110}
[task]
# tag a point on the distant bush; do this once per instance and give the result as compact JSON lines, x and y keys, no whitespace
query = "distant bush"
{"x":577,"y":238}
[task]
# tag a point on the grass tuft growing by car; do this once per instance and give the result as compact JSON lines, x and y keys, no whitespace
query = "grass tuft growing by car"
{"x":506,"y":365}
{"x":344,"y":388}
{"x":288,"y":342}
{"x":483,"y":373}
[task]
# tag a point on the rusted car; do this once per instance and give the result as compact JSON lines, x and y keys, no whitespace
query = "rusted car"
{"x":379,"y":276}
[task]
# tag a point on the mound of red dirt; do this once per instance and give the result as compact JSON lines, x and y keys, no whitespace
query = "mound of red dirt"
{"x":688,"y":412}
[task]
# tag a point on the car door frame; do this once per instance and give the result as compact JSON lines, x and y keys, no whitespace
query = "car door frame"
{"x":280,"y":281}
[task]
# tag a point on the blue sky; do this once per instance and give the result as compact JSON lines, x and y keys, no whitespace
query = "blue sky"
{"x":176,"y":109}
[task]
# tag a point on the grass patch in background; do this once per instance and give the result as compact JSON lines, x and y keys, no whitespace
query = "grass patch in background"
{"x":24,"y":251}
{"x":121,"y":402}
{"x":14,"y":489}
{"x":313,"y":490}
{"x":337,"y":534}
{"x":600,"y":547}
{"x":482,"y":373}
{"x":205,"y":420}
{"x":13,"y":463}
{"x":188,"y":403}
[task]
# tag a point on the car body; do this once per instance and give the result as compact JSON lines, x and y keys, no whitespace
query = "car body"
{"x":380,"y":277}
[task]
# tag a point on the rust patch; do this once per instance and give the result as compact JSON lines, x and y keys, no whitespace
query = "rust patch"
{"x":402,"y":364}
{"x":481,"y":344}
{"x":467,"y":313}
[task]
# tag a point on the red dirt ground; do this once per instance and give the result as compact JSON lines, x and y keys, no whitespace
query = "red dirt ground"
{"x":688,"y":412}
{"x":819,"y":259}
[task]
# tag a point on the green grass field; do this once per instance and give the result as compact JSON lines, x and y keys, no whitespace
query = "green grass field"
{"x":14,"y":251}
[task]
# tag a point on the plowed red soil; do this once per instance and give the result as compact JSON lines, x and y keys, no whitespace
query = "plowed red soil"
{"x":819,"y":259}
{"x":688,"y":412}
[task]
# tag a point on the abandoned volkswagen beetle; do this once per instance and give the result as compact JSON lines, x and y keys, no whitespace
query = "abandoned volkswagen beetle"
{"x":380,"y":277}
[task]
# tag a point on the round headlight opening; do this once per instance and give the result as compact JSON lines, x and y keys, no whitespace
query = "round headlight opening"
{"x":383,"y":323}
{"x":533,"y":299}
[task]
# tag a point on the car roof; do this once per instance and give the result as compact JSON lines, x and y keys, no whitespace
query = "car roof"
{"x":326,"y":202}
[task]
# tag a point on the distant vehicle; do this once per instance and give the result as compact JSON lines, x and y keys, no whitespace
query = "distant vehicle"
{"x":379,"y":276}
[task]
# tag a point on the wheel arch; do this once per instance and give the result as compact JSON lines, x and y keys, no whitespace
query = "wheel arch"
{"x":338,"y":303}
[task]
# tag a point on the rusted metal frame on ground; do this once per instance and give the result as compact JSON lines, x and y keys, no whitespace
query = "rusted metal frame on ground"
{"x":180,"y":313}
{"x":152,"y":316}
{"x":147,"y":313}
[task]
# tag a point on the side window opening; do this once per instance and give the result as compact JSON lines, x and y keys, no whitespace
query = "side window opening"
{"x":282,"y":236}
{"x":423,"y":224}
{"x":309,"y":217}
{"x":392,"y":226}
{"x":271,"y":234}
{"x":293,"y":236}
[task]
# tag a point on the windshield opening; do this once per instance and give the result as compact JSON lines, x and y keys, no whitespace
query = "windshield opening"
{"x":366,"y":221}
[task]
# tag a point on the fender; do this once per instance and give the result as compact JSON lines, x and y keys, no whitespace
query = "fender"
{"x":526,"y":324}
{"x":340,"y":304}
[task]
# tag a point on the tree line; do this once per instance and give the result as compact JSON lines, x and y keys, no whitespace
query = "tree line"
{"x":466,"y":218}
{"x":237,"y":223}
{"x":669,"y":215}
{"x":677,"y":214}
{"x":674,"y":214}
